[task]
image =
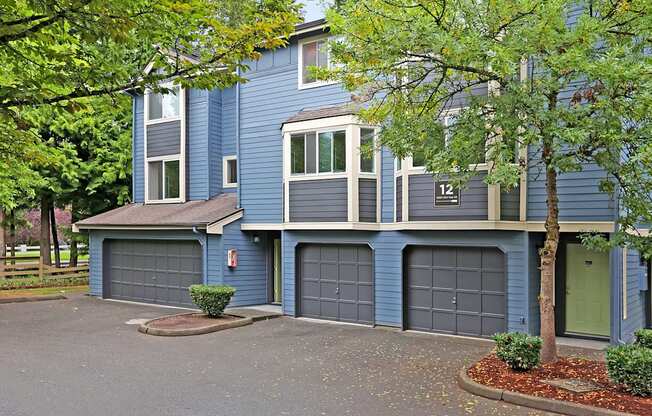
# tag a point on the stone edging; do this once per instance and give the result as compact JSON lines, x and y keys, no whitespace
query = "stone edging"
{"x":541,"y":403}
{"x":145,"y":329}
{"x":31,"y":298}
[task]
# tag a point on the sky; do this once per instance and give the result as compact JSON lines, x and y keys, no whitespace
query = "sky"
{"x":314,"y":9}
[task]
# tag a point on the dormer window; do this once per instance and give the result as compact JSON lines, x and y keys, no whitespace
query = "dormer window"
{"x":313,"y":52}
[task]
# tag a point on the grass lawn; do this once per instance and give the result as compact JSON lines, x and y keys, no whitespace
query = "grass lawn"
{"x":65,"y":255}
{"x":18,"y":293}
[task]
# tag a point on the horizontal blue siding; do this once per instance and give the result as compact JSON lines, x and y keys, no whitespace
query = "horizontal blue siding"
{"x":635,"y":296}
{"x":197,"y":144}
{"x":250,"y":276}
{"x":388,"y":248}
{"x":214,"y":143}
{"x":215,"y":260}
{"x":387,"y":185}
{"x":580,"y":198}
{"x":270,"y":97}
{"x":138,"y":151}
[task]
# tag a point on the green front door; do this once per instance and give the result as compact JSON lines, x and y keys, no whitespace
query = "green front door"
{"x":587,"y":291}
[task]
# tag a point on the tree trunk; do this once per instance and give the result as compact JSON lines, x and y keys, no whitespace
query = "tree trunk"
{"x":55,"y":237}
{"x":548,"y":255}
{"x":44,"y":240}
{"x":12,"y":236}
{"x":3,"y":240}
{"x":74,"y":254}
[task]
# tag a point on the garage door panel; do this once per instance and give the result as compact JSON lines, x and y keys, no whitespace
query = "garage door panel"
{"x":344,"y":277}
{"x":442,"y":321}
{"x":469,"y":279}
{"x":420,"y":276}
{"x":365,"y":293}
{"x":442,"y":257}
{"x":492,"y":325}
{"x":469,"y":257}
{"x":153,"y":270}
{"x":365,"y":273}
{"x":468,"y":302}
{"x":420,"y":319}
{"x":467,"y":294}
{"x":444,"y":277}
{"x":493,"y":281}
{"x":469,"y":324}
{"x":494,"y":304}
{"x":420,"y":257}
{"x":443,"y":299}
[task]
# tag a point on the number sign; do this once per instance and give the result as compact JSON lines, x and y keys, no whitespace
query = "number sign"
{"x":446,"y":194}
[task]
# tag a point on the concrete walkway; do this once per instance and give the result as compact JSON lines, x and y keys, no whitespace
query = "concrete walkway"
{"x":79,"y":357}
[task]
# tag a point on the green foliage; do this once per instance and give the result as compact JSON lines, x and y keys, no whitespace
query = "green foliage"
{"x":631,"y":366}
{"x":519,"y":350}
{"x":586,"y":96}
{"x":35,"y":282}
{"x":211,"y":299}
{"x":643,"y":338}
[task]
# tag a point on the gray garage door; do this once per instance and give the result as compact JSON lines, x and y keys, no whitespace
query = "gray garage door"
{"x":457,"y":290}
{"x":336,"y":283}
{"x":152,"y":271}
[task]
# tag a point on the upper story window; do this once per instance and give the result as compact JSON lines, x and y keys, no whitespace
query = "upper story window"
{"x":164,"y":146}
{"x":367,"y":150}
{"x":313,"y":53}
{"x":230,"y":173}
{"x":164,"y":106}
{"x":318,"y":152}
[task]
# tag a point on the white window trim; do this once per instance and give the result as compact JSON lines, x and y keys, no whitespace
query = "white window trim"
{"x":148,"y":92}
{"x":225,"y":170}
{"x":314,"y":84}
{"x":181,"y":157}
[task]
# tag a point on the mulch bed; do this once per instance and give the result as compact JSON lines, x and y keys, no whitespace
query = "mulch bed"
{"x":189,"y":321}
{"x":491,"y":371}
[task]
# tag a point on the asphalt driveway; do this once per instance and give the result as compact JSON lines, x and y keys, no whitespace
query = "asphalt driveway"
{"x":78,"y":357}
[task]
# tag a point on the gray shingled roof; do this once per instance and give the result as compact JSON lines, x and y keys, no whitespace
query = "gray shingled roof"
{"x":188,"y":214}
{"x":323,"y":112}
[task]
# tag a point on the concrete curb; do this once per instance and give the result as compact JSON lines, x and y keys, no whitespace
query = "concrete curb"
{"x":31,"y":298}
{"x":145,"y":329}
{"x":541,"y":403}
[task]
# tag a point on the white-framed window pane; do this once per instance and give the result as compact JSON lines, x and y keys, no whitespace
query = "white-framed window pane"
{"x":231,"y":171}
{"x":311,"y":152}
{"x":399,"y":164}
{"x":163,"y":106}
{"x":367,"y":151}
{"x":322,"y":54}
{"x":172,"y":179}
{"x":339,"y":151}
{"x":155,"y":180}
{"x":325,"y":152}
{"x":297,"y":153}
{"x":308,"y":59}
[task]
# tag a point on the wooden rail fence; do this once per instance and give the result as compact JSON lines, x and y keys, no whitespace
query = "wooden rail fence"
{"x":21,"y":267}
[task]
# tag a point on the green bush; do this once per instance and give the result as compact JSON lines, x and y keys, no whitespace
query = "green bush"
{"x":631,"y":366}
{"x":643,"y":338}
{"x":520,"y":351}
{"x":211,"y":299}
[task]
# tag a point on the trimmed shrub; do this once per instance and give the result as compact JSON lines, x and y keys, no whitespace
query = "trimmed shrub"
{"x":643,"y":338}
{"x":520,"y":351}
{"x":631,"y":366}
{"x":212,"y":299}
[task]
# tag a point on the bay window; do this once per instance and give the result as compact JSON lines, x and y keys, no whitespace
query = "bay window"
{"x":323,"y":152}
{"x":367,"y":150}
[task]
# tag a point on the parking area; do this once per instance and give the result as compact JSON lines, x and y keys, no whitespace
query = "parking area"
{"x":79,"y":357}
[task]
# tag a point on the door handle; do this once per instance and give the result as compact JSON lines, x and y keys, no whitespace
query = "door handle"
{"x":337,"y":290}
{"x":454,"y":301}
